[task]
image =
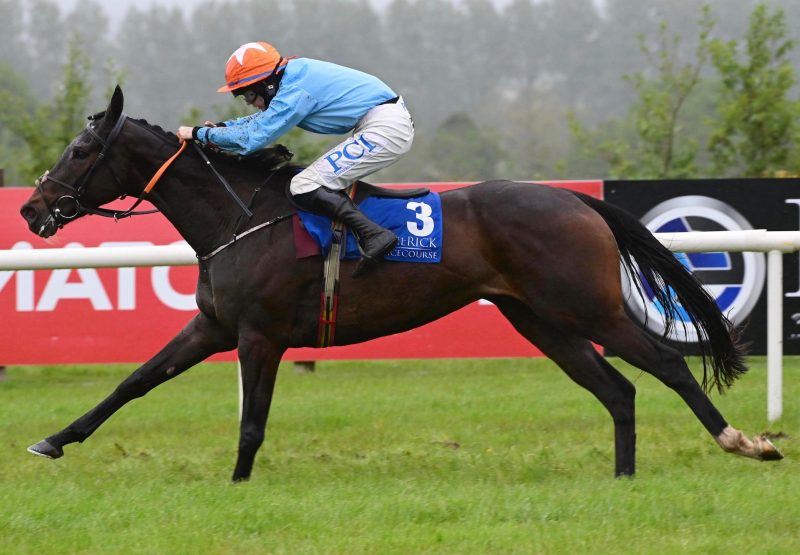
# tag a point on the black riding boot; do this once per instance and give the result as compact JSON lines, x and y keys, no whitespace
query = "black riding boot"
{"x":376,"y":241}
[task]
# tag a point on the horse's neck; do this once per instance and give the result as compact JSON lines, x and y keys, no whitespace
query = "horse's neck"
{"x":196,"y":202}
{"x":200,"y":208}
{"x":193,"y":214}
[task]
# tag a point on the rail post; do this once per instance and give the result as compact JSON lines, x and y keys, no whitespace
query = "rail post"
{"x":774,"y":335}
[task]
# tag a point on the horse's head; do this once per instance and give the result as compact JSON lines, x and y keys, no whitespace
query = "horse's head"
{"x":83,"y":179}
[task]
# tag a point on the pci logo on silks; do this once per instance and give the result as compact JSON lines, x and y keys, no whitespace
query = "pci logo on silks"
{"x":734,"y":279}
{"x":417,"y":222}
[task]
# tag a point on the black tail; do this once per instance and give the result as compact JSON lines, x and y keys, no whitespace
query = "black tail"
{"x":642,"y":254}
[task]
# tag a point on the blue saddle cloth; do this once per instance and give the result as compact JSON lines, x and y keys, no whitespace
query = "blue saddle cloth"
{"x":417,"y":222}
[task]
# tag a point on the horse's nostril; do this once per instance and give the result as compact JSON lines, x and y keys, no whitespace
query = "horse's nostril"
{"x":29,"y":213}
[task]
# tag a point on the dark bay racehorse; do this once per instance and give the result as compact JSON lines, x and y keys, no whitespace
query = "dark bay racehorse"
{"x":548,"y":258}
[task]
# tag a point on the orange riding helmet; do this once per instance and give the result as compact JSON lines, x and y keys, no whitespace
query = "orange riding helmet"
{"x":252,"y":62}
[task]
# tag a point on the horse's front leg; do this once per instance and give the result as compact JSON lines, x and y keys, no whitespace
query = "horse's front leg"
{"x":259,"y":358}
{"x":201,"y":338}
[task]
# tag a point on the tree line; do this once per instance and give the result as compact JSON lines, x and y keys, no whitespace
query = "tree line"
{"x":520,"y":90}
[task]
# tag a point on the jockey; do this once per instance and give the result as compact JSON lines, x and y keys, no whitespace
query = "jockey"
{"x":323,"y":98}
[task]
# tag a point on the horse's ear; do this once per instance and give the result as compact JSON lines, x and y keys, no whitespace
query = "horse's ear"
{"x":114,"y":109}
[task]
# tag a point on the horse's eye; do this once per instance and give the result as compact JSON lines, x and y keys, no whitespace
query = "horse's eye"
{"x":79,"y":154}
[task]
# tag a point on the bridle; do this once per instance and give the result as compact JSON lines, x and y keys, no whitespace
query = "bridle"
{"x":68,"y":206}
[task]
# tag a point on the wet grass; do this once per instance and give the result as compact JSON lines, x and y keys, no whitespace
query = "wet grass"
{"x":471,"y":456}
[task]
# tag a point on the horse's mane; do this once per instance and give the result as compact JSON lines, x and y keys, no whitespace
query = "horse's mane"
{"x":266,"y":159}
{"x":158,"y":131}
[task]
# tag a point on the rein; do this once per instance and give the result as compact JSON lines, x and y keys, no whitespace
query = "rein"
{"x":149,"y":187}
{"x":222,"y":180}
{"x":68,"y":207}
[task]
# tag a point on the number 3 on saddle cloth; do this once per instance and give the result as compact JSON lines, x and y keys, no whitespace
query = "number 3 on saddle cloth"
{"x":415,"y":217}
{"x":417,"y":222}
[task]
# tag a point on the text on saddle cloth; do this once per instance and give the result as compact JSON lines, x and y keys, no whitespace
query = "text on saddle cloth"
{"x":417,"y":222}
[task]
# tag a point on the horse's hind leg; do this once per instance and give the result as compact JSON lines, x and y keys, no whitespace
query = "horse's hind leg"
{"x":633,"y":345}
{"x":581,"y":362}
{"x":197,"y":341}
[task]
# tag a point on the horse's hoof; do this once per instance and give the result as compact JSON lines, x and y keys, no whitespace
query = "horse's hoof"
{"x":768,"y":450}
{"x":45,"y":449}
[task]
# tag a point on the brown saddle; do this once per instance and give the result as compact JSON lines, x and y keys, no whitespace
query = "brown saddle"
{"x":366,"y":190}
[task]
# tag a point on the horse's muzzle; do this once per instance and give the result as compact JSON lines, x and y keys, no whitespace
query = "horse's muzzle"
{"x":39,"y":221}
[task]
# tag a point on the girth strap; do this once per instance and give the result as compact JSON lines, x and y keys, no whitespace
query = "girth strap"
{"x":329,"y":298}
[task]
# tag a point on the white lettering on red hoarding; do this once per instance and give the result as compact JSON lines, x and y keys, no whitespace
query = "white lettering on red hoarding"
{"x":24,"y":283}
{"x":88,"y":286}
{"x":126,"y":277}
{"x":162,"y":286}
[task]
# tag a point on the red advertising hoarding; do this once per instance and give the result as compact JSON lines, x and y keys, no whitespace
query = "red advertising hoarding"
{"x":128,"y":314}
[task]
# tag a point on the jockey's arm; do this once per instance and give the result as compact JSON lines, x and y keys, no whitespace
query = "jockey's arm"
{"x":254,"y":132}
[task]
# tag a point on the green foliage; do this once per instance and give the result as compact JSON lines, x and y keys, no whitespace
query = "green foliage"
{"x":15,"y":99}
{"x":757,"y":128}
{"x":664,"y":152}
{"x":39,"y":130}
{"x":69,"y":110}
{"x":793,"y":165}
{"x":659,"y":146}
{"x":461,"y":151}
{"x":516,"y":67}
{"x":117,"y":77}
{"x":528,"y":135}
{"x":609,"y":141}
{"x":750,"y":123}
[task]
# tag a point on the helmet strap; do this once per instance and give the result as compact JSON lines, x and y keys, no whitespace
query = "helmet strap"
{"x":272,"y":82}
{"x":267,"y":88}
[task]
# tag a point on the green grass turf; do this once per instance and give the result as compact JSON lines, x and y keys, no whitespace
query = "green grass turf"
{"x":456,"y":456}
